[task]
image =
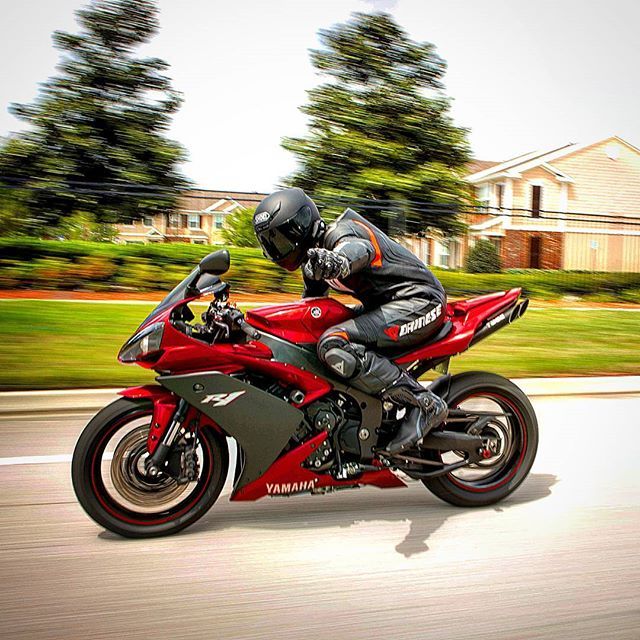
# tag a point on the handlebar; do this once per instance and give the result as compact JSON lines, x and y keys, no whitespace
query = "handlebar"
{"x":248,"y":329}
{"x":219,"y":322}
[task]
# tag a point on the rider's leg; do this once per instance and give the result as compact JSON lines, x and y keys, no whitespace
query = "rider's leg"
{"x":347,"y":349}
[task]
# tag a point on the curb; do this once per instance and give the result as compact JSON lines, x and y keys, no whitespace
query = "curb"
{"x":17,"y":403}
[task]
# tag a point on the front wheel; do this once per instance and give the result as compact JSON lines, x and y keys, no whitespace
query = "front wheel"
{"x":491,"y":480}
{"x":111,"y":484}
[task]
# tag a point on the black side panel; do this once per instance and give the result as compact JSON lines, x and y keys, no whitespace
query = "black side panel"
{"x":302,"y":358}
{"x":261,"y":423}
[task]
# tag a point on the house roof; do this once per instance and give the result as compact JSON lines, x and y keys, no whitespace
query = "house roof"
{"x":210,"y":201}
{"x":515,"y":166}
{"x":479,"y":165}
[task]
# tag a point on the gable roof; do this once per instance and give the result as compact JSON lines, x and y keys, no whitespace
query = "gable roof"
{"x":209,"y":201}
{"x":480,"y":165}
{"x":537,"y":157}
{"x":514,"y":167}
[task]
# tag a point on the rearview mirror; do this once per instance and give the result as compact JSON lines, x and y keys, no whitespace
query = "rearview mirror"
{"x":215,"y":263}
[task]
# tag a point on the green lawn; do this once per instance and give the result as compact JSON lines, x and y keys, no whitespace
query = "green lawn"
{"x":45,"y":344}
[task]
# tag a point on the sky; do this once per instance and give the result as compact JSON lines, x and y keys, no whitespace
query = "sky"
{"x":523,"y":74}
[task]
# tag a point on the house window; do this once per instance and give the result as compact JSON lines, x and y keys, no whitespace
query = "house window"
{"x":197,"y":242}
{"x":499,"y":196}
{"x":194,"y":221}
{"x":219,"y":220}
{"x":174,"y":219}
{"x":444,"y":254}
{"x":147,"y":221}
{"x":425,"y":245}
{"x":536,"y":198}
{"x":484,"y":196}
{"x":535,"y":252}
{"x":454,"y":254}
{"x":497,"y":243}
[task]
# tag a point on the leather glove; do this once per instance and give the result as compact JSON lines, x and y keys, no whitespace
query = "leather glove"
{"x":323,"y":264}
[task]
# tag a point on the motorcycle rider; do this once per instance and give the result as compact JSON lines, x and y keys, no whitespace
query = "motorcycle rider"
{"x":402,"y":301}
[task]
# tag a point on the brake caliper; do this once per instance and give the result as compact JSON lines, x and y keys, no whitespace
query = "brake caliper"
{"x":182,"y":461}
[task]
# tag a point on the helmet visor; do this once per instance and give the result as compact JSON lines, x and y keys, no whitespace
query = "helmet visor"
{"x":281,"y":241}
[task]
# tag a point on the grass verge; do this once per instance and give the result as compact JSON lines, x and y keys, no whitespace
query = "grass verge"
{"x":55,"y":345}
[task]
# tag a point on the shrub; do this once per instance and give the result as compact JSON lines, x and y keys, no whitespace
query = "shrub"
{"x":28,"y":263}
{"x":483,"y":258}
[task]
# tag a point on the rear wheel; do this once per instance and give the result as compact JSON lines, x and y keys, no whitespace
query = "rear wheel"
{"x":516,"y":436}
{"x":109,"y":478}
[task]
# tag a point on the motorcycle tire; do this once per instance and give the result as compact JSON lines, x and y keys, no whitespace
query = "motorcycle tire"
{"x":114,"y":491}
{"x":523,"y":426}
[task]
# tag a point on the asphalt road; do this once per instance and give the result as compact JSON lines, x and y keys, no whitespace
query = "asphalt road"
{"x":559,"y":559}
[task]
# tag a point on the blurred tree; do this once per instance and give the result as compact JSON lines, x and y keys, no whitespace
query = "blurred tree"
{"x":483,"y":258}
{"x":238,"y":229}
{"x":380,"y":128}
{"x":83,"y":226}
{"x":95,"y":141}
{"x":13,"y":214}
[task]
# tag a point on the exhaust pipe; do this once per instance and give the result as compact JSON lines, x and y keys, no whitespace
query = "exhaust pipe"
{"x":518,"y":310}
{"x":499,"y":320}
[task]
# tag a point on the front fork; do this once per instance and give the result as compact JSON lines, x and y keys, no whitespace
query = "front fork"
{"x":155,"y":462}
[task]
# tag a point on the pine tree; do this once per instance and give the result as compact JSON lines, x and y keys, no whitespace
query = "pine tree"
{"x":96,"y":141}
{"x":380,"y":127}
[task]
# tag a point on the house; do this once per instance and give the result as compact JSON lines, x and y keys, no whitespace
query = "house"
{"x":573,"y":207}
{"x":199,"y":217}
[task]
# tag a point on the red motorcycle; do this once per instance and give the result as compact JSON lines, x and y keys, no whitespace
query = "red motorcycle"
{"x":154,"y":461}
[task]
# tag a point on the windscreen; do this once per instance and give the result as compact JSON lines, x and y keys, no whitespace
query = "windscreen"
{"x":179,"y":293}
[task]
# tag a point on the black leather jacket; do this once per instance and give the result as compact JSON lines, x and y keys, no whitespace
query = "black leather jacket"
{"x":382,"y":270}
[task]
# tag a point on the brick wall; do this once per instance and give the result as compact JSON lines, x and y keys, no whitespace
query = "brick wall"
{"x":516,"y":247}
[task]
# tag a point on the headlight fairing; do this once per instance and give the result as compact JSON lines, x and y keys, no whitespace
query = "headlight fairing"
{"x":142,"y":344}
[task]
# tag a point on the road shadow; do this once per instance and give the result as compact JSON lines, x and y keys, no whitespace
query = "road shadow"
{"x":425,"y":513}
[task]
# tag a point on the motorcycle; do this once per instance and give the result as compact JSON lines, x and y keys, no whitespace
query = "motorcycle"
{"x":155,"y":460}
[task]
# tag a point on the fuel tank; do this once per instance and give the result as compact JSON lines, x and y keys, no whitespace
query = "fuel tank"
{"x":302,"y":322}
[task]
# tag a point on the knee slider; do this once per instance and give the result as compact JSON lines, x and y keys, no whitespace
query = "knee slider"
{"x":339,"y":355}
{"x":342,"y":362}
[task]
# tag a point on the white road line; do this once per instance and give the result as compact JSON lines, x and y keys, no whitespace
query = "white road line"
{"x":63,"y":457}
{"x":5,"y":462}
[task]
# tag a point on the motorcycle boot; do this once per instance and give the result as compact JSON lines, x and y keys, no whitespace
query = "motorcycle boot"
{"x":424,"y":411}
{"x":376,"y":375}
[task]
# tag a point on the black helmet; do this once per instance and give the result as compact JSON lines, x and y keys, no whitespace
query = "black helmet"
{"x":287,"y":224}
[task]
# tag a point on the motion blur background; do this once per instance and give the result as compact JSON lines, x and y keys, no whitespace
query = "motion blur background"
{"x":496,"y":139}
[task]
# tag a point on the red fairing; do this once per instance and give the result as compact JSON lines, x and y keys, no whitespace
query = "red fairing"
{"x":164,"y":406}
{"x":151,"y":391}
{"x":302,"y":322}
{"x":182,"y":354}
{"x":287,"y":475}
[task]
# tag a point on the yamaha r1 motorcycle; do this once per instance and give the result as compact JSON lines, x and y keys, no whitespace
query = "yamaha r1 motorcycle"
{"x":154,"y":461}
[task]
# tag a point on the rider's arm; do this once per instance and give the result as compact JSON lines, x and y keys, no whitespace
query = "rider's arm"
{"x":358,"y":252}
